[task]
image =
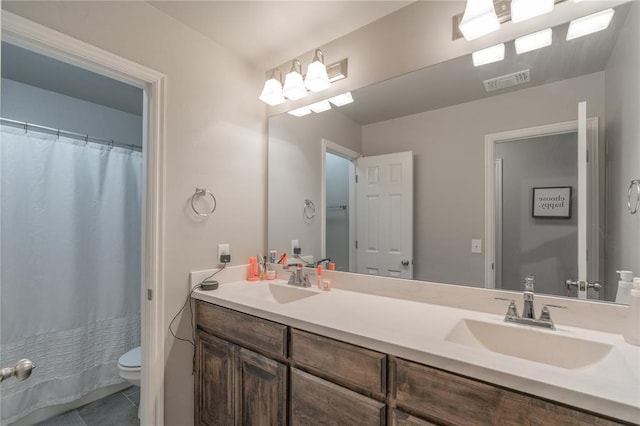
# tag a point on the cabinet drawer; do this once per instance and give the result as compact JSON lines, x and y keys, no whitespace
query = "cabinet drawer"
{"x":399,"y":418}
{"x":251,"y":332}
{"x":360,"y":369}
{"x":453,"y":399}
{"x":317,"y":402}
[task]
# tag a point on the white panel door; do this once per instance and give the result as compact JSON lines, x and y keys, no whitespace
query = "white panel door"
{"x":384,"y":206}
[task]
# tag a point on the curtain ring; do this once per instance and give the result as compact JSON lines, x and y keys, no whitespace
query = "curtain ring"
{"x":634,"y":209}
{"x":309,"y":210}
{"x":201,"y":192}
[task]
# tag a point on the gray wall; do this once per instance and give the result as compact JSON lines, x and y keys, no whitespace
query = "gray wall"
{"x":37,"y":106}
{"x":622,"y":85}
{"x":337,"y":193}
{"x":544,"y":247}
{"x":448,"y":146}
{"x":295,"y":149}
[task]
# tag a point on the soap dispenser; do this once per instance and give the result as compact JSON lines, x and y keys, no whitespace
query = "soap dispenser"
{"x":632,"y":330}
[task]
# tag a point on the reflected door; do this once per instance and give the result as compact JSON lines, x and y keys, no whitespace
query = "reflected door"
{"x":384,"y":205}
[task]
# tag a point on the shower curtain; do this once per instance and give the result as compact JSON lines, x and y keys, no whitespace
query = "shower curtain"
{"x":70,"y":264}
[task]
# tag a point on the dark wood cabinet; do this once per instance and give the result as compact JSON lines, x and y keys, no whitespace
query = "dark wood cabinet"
{"x":251,"y":371}
{"x":315,"y":401}
{"x":261,"y":390}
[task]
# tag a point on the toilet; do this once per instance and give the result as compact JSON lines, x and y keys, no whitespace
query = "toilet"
{"x":129,"y":365}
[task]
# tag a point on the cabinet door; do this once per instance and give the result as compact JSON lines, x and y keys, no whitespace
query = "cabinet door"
{"x":214,"y":381}
{"x":261,"y":394}
{"x":317,"y":402}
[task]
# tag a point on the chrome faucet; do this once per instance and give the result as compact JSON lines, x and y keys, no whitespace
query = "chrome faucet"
{"x":528,"y":314}
{"x":298,"y":277}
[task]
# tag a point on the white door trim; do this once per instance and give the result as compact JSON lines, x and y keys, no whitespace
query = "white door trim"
{"x":334,"y":148}
{"x":490,"y":142}
{"x":38,"y":38}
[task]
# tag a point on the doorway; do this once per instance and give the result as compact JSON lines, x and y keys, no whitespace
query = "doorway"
{"x":28,"y":35}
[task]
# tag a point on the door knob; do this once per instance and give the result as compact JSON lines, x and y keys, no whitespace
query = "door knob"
{"x":22,"y":370}
{"x":405,"y":262}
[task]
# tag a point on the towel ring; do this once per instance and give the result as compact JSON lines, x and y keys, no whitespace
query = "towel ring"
{"x":634,"y":209}
{"x":201,"y":192}
{"x":309,"y":210}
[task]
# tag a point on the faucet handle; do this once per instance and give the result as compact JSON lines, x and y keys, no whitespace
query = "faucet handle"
{"x":545,"y":315}
{"x":512,"y":310}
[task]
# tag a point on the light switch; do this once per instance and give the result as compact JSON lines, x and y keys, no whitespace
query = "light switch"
{"x":476,"y":246}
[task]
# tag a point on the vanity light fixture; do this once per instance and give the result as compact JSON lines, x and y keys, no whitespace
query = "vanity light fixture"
{"x":320,"y":106}
{"x":317,"y":78}
{"x":590,"y":24}
{"x":272,"y":91}
{"x":534,"y":41}
{"x":301,"y":112}
{"x":488,"y":55}
{"x":342,"y":99}
{"x":293,"y":85}
{"x":521,"y":10}
{"x":479,"y":19}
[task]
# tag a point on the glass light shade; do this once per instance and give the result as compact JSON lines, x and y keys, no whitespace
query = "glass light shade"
{"x":272,"y":92}
{"x":300,"y":112}
{"x":294,"y":86}
{"x":534,"y":41}
{"x":589,"y":24}
{"x":342,"y":99}
{"x":479,"y":19}
{"x":488,"y":55}
{"x":320,"y":106}
{"x":521,"y":10}
{"x":317,"y":78}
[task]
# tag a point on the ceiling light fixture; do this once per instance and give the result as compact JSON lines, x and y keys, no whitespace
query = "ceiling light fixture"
{"x":479,"y":19}
{"x":521,"y":10}
{"x":301,"y":112}
{"x":534,"y":41}
{"x":293,"y":85}
{"x":320,"y":106}
{"x":589,"y":24}
{"x":317,"y":78}
{"x":272,"y":91}
{"x":342,"y":99}
{"x":488,"y":55}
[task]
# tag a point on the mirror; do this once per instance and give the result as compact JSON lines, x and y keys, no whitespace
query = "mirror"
{"x":463,"y":204}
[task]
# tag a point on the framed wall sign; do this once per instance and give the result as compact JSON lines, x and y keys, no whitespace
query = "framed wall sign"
{"x":552,"y":202}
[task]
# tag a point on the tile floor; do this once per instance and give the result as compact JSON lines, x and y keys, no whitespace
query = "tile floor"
{"x":120,"y":408}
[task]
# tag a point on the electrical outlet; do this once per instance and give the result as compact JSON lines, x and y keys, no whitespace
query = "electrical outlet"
{"x":224,"y":253}
{"x":295,"y":247}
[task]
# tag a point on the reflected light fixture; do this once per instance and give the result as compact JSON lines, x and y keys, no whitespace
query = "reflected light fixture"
{"x":301,"y":112}
{"x":342,"y":99}
{"x":320,"y":106}
{"x":479,"y":19}
{"x":272,"y":91}
{"x":534,"y":41}
{"x":521,"y":10}
{"x":293,"y":85}
{"x":317,"y":78}
{"x":589,"y":24}
{"x":488,"y":55}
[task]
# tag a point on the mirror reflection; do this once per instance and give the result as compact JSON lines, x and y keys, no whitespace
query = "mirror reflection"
{"x":474,"y":175}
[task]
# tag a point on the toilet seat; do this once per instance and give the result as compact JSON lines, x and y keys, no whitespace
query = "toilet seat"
{"x":131,"y":361}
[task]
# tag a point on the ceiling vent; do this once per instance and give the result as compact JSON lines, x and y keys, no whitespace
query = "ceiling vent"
{"x":507,"y":80}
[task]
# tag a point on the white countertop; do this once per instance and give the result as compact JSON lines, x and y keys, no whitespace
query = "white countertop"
{"x":417,"y":331}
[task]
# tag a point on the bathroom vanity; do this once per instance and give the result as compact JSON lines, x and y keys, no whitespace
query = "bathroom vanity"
{"x":270,"y":353}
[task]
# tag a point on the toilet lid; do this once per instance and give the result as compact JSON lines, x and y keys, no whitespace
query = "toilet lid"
{"x":131,"y":359}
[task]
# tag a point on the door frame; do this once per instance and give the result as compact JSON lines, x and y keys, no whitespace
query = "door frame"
{"x":593,"y":178}
{"x":43,"y":40}
{"x":352,"y":156}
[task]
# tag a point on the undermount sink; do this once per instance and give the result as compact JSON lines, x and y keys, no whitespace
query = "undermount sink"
{"x":523,"y":342}
{"x":280,"y":294}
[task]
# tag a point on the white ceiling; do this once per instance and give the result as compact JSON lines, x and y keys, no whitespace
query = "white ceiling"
{"x":269,"y":33}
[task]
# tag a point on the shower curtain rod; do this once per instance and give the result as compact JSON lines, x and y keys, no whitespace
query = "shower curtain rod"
{"x":66,"y":133}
